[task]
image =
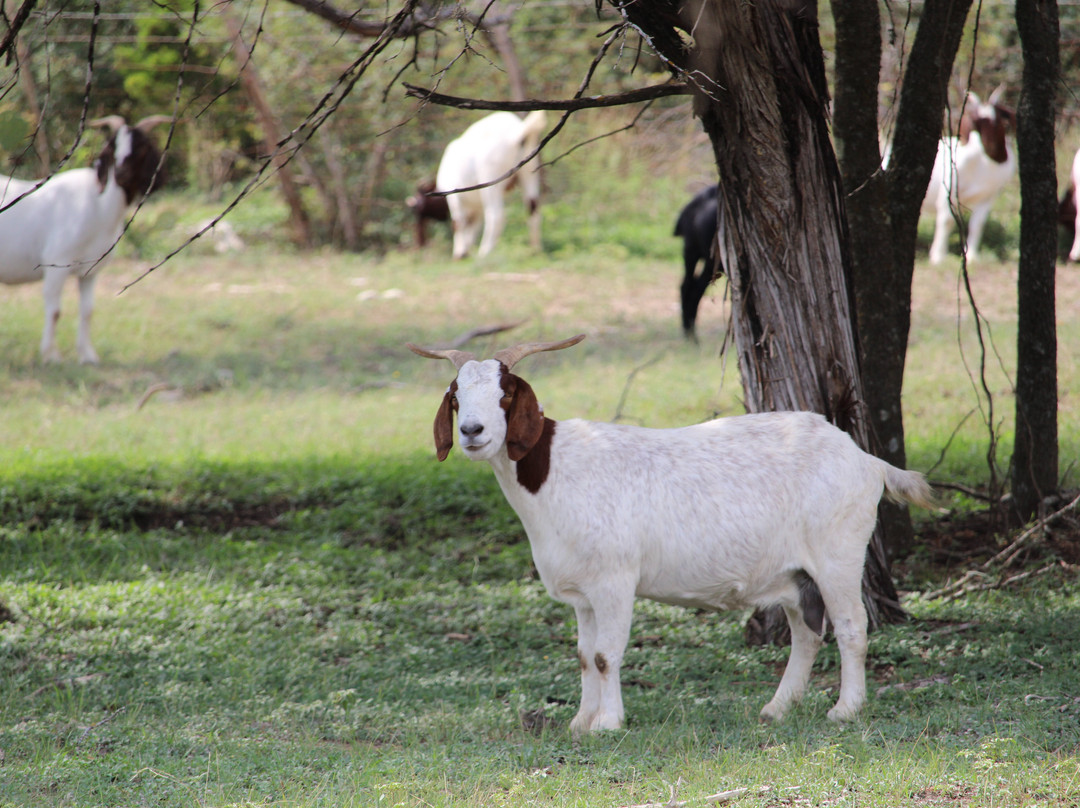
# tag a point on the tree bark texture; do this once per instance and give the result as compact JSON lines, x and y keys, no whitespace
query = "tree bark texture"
{"x":1035,"y":453}
{"x":762,"y":98}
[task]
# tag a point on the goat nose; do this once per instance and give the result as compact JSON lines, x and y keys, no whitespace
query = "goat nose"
{"x":471,"y":430}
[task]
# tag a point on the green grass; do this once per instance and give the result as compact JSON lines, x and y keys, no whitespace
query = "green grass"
{"x":233,"y":574}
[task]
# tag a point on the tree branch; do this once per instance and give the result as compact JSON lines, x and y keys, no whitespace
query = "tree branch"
{"x":367,"y":28}
{"x":571,"y":104}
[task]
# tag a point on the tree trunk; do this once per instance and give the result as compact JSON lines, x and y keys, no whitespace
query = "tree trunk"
{"x":762,"y":99}
{"x":298,"y":218}
{"x":1035,"y":454}
{"x":858,"y":152}
{"x":883,"y":211}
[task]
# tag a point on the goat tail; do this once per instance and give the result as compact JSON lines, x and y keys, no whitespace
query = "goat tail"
{"x":907,"y":486}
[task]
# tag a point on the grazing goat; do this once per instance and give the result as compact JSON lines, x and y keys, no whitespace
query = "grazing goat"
{"x":755,"y":510}
{"x":426,"y":205}
{"x":970,"y":171}
{"x":69,"y":223}
{"x":697,"y":226}
{"x":1069,"y":209}
{"x":486,"y":151}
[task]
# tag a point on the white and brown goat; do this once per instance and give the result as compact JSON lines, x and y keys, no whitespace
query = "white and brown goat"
{"x":970,"y":172}
{"x":741,"y":512}
{"x":68,"y":224}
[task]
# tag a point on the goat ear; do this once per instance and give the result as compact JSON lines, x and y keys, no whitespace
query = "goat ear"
{"x":444,"y":427}
{"x":524,"y":419}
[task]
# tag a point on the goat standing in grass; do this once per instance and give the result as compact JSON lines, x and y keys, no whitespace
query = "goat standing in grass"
{"x":67,"y":224}
{"x":970,"y":172}
{"x":486,"y":151}
{"x":742,"y":512}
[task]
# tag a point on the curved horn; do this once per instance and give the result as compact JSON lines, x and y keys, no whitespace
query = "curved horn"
{"x":459,"y":358}
{"x":113,"y":122}
{"x":148,"y":123}
{"x":511,"y":356}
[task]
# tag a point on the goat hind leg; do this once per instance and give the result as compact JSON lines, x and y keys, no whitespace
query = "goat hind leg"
{"x":848,"y":617}
{"x":805,"y":643}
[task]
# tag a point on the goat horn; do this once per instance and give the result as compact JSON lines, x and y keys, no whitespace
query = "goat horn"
{"x":113,"y":122}
{"x":459,"y":358}
{"x":511,"y":356}
{"x":148,"y":123}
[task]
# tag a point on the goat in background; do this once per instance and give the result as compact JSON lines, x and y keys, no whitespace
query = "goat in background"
{"x":970,"y":172}
{"x":741,"y":512}
{"x":486,"y":151}
{"x":697,"y":224}
{"x":68,"y":224}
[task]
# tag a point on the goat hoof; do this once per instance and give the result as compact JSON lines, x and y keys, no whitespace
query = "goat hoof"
{"x":770,"y":714}
{"x":841,"y":715}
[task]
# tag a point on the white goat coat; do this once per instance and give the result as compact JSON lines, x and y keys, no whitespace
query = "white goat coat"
{"x":485,"y":151}
{"x":722,"y":537}
{"x":89,"y":222}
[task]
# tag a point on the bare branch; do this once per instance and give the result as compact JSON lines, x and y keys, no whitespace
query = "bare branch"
{"x":14,"y":25}
{"x":367,"y":28}
{"x":649,"y":93}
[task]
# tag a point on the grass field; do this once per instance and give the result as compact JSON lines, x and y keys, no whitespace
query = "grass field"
{"x":232,"y":573}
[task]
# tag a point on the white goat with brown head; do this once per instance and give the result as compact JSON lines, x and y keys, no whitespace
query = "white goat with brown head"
{"x":68,"y":224}
{"x":740,"y":512}
{"x":970,"y":172}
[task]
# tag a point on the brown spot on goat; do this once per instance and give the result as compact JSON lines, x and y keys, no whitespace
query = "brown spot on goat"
{"x":601,"y":663}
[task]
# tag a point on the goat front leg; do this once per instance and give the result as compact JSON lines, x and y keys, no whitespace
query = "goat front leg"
{"x":603,"y":632}
{"x":53,"y":287}
{"x":979,"y":215}
{"x":87,"y":354}
{"x":943,"y":224}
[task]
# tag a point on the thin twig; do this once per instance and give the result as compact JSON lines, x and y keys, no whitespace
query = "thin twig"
{"x":629,"y":381}
{"x":1003,"y":561}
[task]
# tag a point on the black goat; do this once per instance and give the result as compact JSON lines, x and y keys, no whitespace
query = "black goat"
{"x":697,"y":226}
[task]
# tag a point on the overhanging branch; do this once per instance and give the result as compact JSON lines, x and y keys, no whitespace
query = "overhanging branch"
{"x":368,"y":28}
{"x":649,"y":93}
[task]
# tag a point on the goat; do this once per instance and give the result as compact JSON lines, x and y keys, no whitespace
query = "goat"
{"x":68,"y":224}
{"x":1069,"y":208}
{"x":489,"y":149}
{"x":427,"y":205}
{"x":970,"y":172}
{"x":740,"y":512}
{"x":697,"y":226}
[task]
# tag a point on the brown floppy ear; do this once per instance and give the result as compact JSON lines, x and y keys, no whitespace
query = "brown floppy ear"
{"x":524,"y":418}
{"x":444,"y":424}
